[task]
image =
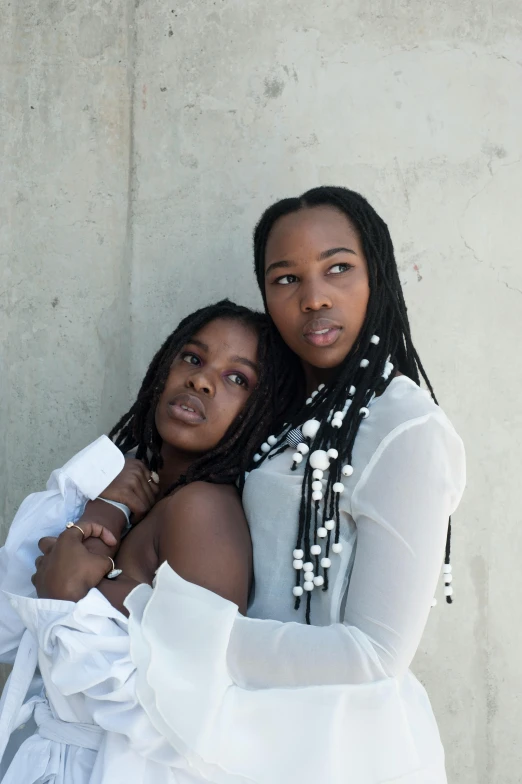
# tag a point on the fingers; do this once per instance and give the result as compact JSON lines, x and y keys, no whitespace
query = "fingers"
{"x":99,"y":532}
{"x":149,"y":490}
{"x":139,"y":507}
{"x":46,"y":544}
{"x":138,"y":466}
{"x":135,"y":486}
{"x":145,"y":482}
{"x":38,"y":561}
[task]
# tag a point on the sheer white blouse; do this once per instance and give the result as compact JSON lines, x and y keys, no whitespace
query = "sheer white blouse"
{"x":409,"y":475}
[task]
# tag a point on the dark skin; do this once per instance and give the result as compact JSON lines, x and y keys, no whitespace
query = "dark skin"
{"x":316,"y":281}
{"x":201,"y":529}
{"x":133,"y":487}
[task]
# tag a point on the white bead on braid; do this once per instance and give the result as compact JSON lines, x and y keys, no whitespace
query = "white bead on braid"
{"x":310,"y":428}
{"x":447,"y":577}
{"x":317,"y":547}
{"x":319,"y":459}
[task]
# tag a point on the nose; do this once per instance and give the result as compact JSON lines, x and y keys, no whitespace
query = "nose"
{"x":202,"y":382}
{"x":313,"y":297}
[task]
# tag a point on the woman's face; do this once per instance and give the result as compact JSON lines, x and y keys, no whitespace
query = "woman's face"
{"x":317,"y":288}
{"x":208,"y":385}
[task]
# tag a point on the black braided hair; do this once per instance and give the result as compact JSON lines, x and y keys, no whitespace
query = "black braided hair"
{"x":354,"y":385}
{"x":272,"y":396}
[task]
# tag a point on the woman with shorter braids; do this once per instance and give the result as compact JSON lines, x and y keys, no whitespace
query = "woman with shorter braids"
{"x":348,"y":504}
{"x":209,"y":394}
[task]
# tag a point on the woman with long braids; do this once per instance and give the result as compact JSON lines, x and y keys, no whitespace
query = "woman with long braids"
{"x":348,"y":505}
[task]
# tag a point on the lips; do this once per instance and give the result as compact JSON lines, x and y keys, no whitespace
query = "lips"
{"x":187,"y":408}
{"x":321,"y":332}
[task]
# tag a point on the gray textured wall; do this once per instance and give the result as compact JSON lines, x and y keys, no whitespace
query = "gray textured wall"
{"x":139,"y":146}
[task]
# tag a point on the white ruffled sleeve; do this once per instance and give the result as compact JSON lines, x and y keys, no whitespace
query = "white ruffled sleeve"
{"x":69,"y":488}
{"x":265,"y":701}
{"x":84,"y":657}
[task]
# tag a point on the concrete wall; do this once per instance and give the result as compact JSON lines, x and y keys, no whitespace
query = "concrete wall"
{"x":139,"y":147}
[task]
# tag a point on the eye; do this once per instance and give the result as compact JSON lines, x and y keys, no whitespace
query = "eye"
{"x":339,"y":268}
{"x":192,"y":359}
{"x":238,"y":379}
{"x":284,"y":280}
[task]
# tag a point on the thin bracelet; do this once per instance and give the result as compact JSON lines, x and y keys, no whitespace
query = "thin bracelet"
{"x":122,"y":507}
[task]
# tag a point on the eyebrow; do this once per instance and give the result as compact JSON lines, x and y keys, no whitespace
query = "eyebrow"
{"x":326,"y":254}
{"x":196,"y":342}
{"x":247,"y":362}
{"x":237,"y":358}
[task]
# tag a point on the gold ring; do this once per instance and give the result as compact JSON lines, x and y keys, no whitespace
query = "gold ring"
{"x":73,"y":525}
{"x":149,"y":481}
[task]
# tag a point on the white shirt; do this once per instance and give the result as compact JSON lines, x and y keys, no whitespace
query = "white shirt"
{"x":82,"y":651}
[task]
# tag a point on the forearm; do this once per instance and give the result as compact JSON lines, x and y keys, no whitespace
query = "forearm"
{"x":116,"y":591}
{"x":110,"y":517}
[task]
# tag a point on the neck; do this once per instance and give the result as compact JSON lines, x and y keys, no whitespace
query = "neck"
{"x":175,"y":464}
{"x":315,"y":376}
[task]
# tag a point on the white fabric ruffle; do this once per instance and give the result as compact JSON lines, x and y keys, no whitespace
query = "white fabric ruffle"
{"x":180,"y":637}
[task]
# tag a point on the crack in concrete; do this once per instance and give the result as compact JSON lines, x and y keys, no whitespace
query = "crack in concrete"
{"x":506,"y":284}
{"x":468,"y":203}
{"x":14,"y":286}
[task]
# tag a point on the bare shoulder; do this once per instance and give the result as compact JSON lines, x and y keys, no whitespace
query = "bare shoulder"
{"x":204,"y":535}
{"x":206,"y":504}
{"x":203,"y":493}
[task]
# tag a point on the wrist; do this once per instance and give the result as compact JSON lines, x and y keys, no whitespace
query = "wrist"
{"x":117,"y":505}
{"x":96,"y":547}
{"x":106,"y":514}
{"x":70,"y":591}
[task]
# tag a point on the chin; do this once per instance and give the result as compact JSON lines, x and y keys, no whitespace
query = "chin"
{"x":174,"y":438}
{"x":323,"y":360}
